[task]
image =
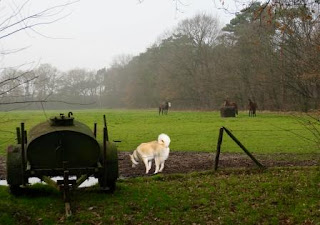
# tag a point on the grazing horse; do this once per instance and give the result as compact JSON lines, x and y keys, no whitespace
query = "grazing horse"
{"x":252,"y":108}
{"x":232,"y":104}
{"x":164,"y":107}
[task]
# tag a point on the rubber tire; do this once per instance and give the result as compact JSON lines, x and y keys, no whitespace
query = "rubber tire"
{"x":109,"y":175}
{"x":14,"y":169}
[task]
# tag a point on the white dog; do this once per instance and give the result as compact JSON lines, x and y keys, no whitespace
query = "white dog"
{"x":157,"y":150}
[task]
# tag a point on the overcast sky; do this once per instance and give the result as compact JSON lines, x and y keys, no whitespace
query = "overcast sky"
{"x":96,"y":31}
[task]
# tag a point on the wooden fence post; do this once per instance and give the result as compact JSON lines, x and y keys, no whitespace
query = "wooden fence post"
{"x":243,"y":148}
{"x":216,"y":162}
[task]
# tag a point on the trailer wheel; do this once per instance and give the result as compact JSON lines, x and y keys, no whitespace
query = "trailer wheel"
{"x":14,"y":169}
{"x":108,"y":185}
{"x":15,"y":189}
{"x":110,"y":172}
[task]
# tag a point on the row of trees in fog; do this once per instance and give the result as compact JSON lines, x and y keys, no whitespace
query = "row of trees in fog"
{"x":269,"y":53}
{"x":46,"y":84}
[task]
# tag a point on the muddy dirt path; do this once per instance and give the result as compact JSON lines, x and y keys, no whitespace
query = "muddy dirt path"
{"x":185,"y":162}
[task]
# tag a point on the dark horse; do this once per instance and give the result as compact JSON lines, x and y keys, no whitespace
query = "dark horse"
{"x":232,"y":104}
{"x":164,"y":107}
{"x":252,"y":108}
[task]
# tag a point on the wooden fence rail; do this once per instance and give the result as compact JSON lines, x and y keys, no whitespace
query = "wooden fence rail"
{"x":220,"y":138}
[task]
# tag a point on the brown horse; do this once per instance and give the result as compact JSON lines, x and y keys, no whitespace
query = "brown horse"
{"x":252,"y":108}
{"x":232,"y":104}
{"x":164,"y":107}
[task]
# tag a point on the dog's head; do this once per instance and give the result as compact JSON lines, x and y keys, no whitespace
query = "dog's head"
{"x":164,"y":139}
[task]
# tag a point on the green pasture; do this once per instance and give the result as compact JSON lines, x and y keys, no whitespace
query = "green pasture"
{"x":228,"y":196}
{"x":189,"y":130}
{"x":274,"y":196}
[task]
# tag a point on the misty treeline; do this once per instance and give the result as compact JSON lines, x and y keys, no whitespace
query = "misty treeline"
{"x":268,"y":52}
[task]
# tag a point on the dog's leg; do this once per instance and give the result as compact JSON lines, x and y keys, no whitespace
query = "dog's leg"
{"x":157,"y":162}
{"x":146,"y":164}
{"x":162,"y":166}
{"x":134,"y":162}
{"x":150,"y":164}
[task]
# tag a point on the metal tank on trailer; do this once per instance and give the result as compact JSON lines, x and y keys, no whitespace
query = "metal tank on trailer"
{"x":62,"y":147}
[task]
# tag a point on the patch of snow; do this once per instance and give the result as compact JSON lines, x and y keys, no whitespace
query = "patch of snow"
{"x":33,"y":180}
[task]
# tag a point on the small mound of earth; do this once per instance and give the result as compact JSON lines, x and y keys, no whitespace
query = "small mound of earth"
{"x":185,"y":162}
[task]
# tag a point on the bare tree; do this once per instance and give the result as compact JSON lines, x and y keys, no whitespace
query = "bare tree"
{"x":16,"y":18}
{"x":202,"y":31}
{"x":46,"y":82}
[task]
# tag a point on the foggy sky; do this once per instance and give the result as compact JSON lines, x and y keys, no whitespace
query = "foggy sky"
{"x":90,"y":34}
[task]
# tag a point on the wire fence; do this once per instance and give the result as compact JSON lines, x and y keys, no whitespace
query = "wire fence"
{"x":275,"y":140}
{"x":305,"y":139}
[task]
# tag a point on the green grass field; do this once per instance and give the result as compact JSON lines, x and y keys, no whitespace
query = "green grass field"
{"x":229,"y":196}
{"x":275,"y":196}
{"x":189,"y":130}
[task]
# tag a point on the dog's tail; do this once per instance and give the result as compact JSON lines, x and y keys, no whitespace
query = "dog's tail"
{"x":132,"y":157}
{"x":163,"y":138}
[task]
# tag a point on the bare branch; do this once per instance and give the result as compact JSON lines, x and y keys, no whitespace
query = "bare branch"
{"x":12,"y":78}
{"x":46,"y":101}
{"x":9,"y":28}
{"x":14,"y":87}
{"x":12,"y":51}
